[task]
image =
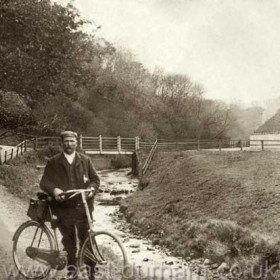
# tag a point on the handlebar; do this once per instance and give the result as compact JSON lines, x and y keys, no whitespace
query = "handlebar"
{"x":76,"y":192}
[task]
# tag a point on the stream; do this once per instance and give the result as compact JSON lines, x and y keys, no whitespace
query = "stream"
{"x":151,"y":262}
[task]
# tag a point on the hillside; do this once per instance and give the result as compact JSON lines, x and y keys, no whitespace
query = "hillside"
{"x":224,"y":206}
{"x":57,"y":77}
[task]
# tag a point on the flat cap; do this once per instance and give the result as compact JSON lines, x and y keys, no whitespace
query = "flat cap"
{"x":68,"y":133}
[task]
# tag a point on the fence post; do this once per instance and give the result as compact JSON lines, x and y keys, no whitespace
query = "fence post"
{"x":12,"y":153}
{"x":81,"y":142}
{"x":198,"y":144}
{"x":220,"y":145}
{"x":17,"y":151}
{"x":137,"y":143}
{"x":25,"y":146}
{"x":262,"y":142}
{"x":241,"y":145}
{"x":1,"y":158}
{"x":119,"y":144}
{"x":5,"y":160}
{"x":35,"y":144}
{"x":100,"y":144}
{"x":21,"y":148}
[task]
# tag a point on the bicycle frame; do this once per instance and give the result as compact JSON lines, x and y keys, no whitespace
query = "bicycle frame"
{"x":52,"y":256}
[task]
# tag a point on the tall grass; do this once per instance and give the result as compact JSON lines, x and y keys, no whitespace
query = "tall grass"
{"x":246,"y":251}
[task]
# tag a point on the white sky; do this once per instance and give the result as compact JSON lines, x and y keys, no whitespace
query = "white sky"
{"x":230,"y":47}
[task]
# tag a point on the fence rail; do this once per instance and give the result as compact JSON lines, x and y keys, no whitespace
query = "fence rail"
{"x":109,"y":144}
{"x":119,"y":145}
{"x":10,"y":153}
{"x":149,"y":159}
{"x":193,"y":144}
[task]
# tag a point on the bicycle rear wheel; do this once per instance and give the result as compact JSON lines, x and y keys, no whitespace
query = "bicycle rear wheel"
{"x":31,"y":236}
{"x":104,"y":252}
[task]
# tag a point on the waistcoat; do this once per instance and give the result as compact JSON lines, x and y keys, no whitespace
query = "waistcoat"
{"x":72,"y":175}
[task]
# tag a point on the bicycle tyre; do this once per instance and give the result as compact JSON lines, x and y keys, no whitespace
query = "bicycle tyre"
{"x":23,"y":237}
{"x":104,"y":245}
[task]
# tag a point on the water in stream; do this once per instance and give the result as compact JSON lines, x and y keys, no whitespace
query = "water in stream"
{"x":150,"y":262}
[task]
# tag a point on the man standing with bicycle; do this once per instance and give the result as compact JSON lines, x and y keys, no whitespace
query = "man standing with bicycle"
{"x":66,"y":171}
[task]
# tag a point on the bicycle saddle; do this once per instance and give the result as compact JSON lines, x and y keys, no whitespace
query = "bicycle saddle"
{"x":44,"y":196}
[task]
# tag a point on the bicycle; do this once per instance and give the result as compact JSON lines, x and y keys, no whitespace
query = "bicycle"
{"x":36,"y":250}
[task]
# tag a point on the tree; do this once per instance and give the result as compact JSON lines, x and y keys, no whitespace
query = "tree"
{"x":179,"y":97}
{"x":42,"y":48}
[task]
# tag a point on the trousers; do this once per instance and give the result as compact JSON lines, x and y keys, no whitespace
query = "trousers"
{"x":73,"y":226}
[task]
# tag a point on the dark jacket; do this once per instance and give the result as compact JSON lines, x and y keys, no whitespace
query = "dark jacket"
{"x":56,"y":176}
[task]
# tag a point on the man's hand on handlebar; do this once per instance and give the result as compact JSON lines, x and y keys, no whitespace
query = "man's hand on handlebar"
{"x":58,"y":194}
{"x":90,"y":193}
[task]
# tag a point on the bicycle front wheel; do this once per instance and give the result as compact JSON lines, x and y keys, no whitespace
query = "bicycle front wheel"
{"x":28,"y":239}
{"x":105,"y":256}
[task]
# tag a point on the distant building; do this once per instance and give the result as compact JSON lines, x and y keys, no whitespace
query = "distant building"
{"x":269,"y":131}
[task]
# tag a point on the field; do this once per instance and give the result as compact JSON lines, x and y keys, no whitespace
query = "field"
{"x":223,"y":206}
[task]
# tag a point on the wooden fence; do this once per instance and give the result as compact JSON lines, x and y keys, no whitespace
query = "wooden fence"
{"x":193,"y":144}
{"x":120,"y":145}
{"x":13,"y":152}
{"x":40,"y":142}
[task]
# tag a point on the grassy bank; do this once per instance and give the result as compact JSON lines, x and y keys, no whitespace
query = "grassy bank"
{"x":222,"y":206}
{"x":22,"y":175}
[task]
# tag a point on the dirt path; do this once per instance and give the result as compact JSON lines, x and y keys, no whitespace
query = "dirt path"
{"x":147,"y":259}
{"x":12,"y":214}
